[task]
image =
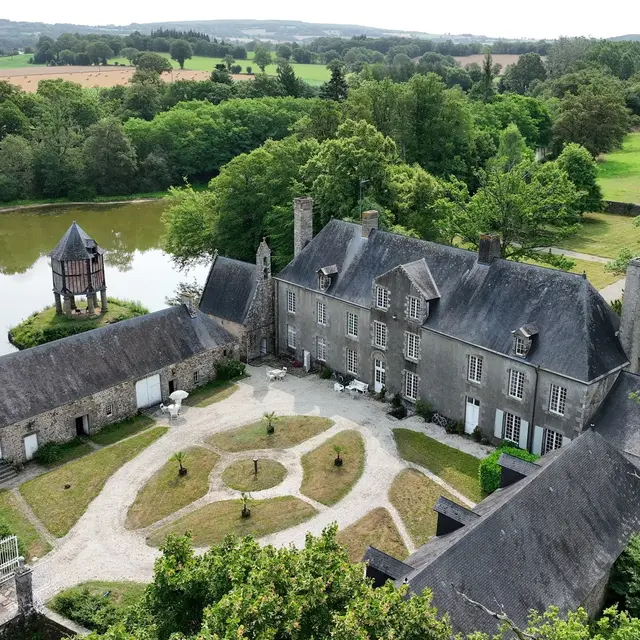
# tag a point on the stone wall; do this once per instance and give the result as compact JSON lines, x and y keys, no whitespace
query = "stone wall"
{"x":260,"y":324}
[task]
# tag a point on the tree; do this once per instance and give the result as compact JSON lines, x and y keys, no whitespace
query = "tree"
{"x":180,"y":457}
{"x":152,"y":62}
{"x":270,"y":419}
{"x":129,"y":53}
{"x":12,"y":120}
{"x":336,"y":88}
{"x":141,"y":100}
{"x":221,"y":75}
{"x":582,"y":170}
{"x":109,"y":158}
{"x":338,"y":450}
{"x":16,"y":168}
{"x":180,"y":51}
{"x":262,"y":58}
{"x":67,"y":56}
{"x":624,"y":583}
{"x":485,"y":89}
{"x":518,"y":77}
{"x":287,"y":79}
{"x":99,"y":51}
{"x":283,"y":51}
{"x":228,"y":61}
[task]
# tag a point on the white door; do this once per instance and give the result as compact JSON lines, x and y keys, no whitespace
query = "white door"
{"x":30,"y":446}
{"x":472,"y":415}
{"x":148,"y":391}
{"x":380,"y":375}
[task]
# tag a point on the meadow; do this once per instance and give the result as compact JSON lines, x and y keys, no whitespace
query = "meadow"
{"x":619,"y":172}
{"x":15,"y":62}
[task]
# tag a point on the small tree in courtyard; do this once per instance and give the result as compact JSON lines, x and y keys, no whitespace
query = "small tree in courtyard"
{"x":338,"y":449}
{"x":180,"y":457}
{"x":270,"y":419}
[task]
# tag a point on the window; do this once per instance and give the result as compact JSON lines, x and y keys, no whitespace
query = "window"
{"x":552,"y":441}
{"x":352,"y":362}
{"x":324,"y":282}
{"x":411,"y":385}
{"x":352,"y":324}
{"x":291,"y":336}
{"x":512,"y":427}
{"x":321,"y":348}
{"x":109,"y":410}
{"x":413,"y":346}
{"x":414,"y":308}
{"x":291,"y":301}
{"x":516,"y":384}
{"x":196,"y":377}
{"x":322,"y":313}
{"x":475,"y":369}
{"x":558,"y":399}
{"x":380,"y":334}
{"x":382,"y":298}
{"x":521,"y":346}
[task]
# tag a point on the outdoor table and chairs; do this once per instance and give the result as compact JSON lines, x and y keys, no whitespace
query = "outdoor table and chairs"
{"x":276,"y":374}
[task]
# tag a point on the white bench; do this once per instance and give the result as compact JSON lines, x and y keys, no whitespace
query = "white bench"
{"x":356,"y":386}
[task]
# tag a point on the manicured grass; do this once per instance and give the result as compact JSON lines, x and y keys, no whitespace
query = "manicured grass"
{"x":60,"y":508}
{"x":214,"y":391}
{"x":113,"y":433}
{"x":455,"y":467}
{"x":211,"y":523}
{"x":17,"y":62}
{"x":240,"y":475}
{"x":414,"y":496}
{"x":322,"y":480}
{"x":596,"y":273}
{"x":72,"y":450}
{"x":121,"y":594}
{"x":376,"y":529}
{"x":604,"y":234}
{"x":166,"y":491}
{"x":619,"y":172}
{"x":32,"y":544}
{"x":289,"y":431}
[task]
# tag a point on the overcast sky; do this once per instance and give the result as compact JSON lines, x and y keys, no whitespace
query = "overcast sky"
{"x":505,"y":18}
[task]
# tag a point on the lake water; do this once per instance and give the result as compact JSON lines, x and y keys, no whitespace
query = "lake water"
{"x":136,"y":267}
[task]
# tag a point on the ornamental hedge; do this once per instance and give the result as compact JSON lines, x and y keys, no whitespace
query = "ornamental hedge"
{"x":489,"y":471}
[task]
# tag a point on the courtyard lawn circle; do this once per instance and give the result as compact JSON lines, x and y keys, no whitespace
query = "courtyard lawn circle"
{"x":240,"y":475}
{"x":210,"y":524}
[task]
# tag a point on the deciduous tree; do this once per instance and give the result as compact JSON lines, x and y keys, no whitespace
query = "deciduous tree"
{"x":262,"y":58}
{"x":16,"y":168}
{"x":152,"y":62}
{"x":583,"y":172}
{"x":180,"y":51}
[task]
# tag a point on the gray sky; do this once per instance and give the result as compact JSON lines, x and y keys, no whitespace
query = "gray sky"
{"x":506,"y":18}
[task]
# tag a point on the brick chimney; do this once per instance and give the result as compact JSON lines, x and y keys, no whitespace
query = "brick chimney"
{"x":369,"y":222}
{"x":489,"y":248}
{"x":630,"y":321}
{"x":302,"y":224}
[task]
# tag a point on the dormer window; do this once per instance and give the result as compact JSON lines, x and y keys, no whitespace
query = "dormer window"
{"x":523,"y":339}
{"x":521,"y":346}
{"x":325,"y":275}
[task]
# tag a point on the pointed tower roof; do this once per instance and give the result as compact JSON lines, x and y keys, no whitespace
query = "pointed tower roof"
{"x":75,"y":244}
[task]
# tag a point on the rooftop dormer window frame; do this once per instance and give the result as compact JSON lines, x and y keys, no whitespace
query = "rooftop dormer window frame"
{"x":521,"y":346}
{"x":324,"y":282}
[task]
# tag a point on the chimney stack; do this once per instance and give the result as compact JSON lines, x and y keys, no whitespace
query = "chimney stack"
{"x":302,"y":224}
{"x":369,"y":222}
{"x":489,"y":248}
{"x":630,"y":321}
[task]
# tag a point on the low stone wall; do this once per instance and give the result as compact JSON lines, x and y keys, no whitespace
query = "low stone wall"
{"x":622,"y":208}
{"x":37,"y":625}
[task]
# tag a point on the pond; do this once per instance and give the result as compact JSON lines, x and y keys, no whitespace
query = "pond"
{"x":136,"y":267}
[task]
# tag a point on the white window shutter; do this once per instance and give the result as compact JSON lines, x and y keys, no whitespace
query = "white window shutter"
{"x":565,"y":441}
{"x":537,"y":440}
{"x":497,"y":430}
{"x":524,"y":435}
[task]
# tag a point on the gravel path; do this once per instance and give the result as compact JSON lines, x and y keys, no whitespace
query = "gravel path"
{"x":99,"y":547}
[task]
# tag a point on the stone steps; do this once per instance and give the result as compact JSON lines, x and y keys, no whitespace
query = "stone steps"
{"x":7,"y":472}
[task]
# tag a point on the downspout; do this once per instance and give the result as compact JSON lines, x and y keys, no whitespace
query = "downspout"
{"x":536,"y":368}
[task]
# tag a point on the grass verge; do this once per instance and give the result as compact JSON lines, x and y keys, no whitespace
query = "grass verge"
{"x":211,"y":523}
{"x":59,"y":508}
{"x":619,"y":172}
{"x":31,"y":543}
{"x":167,"y":491}
{"x":455,"y":467}
{"x":289,"y":431}
{"x":214,"y":391}
{"x":240,"y":475}
{"x":322,"y":480}
{"x":113,"y":433}
{"x":54,"y":454}
{"x":376,"y":529}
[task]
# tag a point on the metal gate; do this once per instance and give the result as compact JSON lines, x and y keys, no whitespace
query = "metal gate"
{"x":9,"y":557}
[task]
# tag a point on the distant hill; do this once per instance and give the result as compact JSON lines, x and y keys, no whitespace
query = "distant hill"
{"x":631,"y":36}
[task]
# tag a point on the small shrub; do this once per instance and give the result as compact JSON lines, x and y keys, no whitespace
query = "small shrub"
{"x":477,"y":434}
{"x":424,"y":410}
{"x":89,"y":610}
{"x":49,"y":453}
{"x":489,"y":471}
{"x":230,"y":370}
{"x":616,"y":306}
{"x":396,"y":401}
{"x":381,"y":394}
{"x":325,"y":373}
{"x":399,"y":412}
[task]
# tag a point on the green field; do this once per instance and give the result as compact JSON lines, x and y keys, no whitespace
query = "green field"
{"x":619,"y":172}
{"x":16,"y":62}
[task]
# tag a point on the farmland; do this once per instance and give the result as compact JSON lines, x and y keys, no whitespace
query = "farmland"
{"x":619,"y":172}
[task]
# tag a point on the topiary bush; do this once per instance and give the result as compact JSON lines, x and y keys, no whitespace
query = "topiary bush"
{"x":424,"y":410}
{"x":489,"y":471}
{"x":325,"y":373}
{"x":230,"y":370}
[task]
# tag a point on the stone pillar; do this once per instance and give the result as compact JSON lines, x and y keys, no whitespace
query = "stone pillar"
{"x":67,"y":306}
{"x":90,"y":304}
{"x":73,"y":302}
{"x":24,"y":589}
{"x":630,"y":319}
{"x":302,"y":224}
{"x":58,"y":303}
{"x":103,"y":301}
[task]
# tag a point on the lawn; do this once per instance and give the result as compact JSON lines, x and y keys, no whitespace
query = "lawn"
{"x":240,"y":475}
{"x":71,"y":450}
{"x":376,"y":529}
{"x":32,"y":545}
{"x":210,"y":524}
{"x":214,"y":391}
{"x":455,"y":467}
{"x":619,"y":172}
{"x":166,"y":491}
{"x":289,"y":431}
{"x":322,"y":480}
{"x":17,"y":62}
{"x":414,"y":496}
{"x":60,"y":507}
{"x":113,"y":433}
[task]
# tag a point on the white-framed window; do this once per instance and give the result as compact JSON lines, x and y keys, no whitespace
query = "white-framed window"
{"x":380,"y":334}
{"x":516,"y":384}
{"x":414,"y":308}
{"x":552,"y":440}
{"x":352,"y":362}
{"x":196,"y":377}
{"x":291,"y":336}
{"x":352,"y":324}
{"x":557,"y":399}
{"x":324,"y":282}
{"x":321,"y":348}
{"x":412,"y":347}
{"x":411,"y":385}
{"x":291,"y":301}
{"x":521,"y":346}
{"x":109,"y":410}
{"x":322,"y":312}
{"x":474,"y":373}
{"x":382,"y":298}
{"x":512,"y":424}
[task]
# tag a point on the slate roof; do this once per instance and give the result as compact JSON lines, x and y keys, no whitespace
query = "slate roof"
{"x":523,"y":467}
{"x":42,"y":378}
{"x":229,"y":289}
{"x":479,"y":304}
{"x":547,"y":539}
{"x":455,"y":511}
{"x":418,"y":272}
{"x":75,"y":244}
{"x":618,"y":417}
{"x":389,"y":565}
